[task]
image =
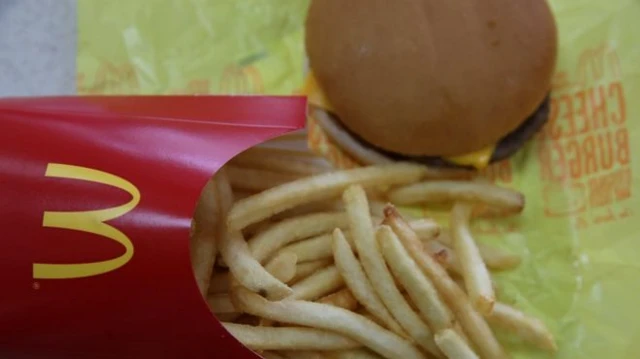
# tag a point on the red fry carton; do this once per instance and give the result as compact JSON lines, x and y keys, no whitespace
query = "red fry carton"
{"x":96,"y":200}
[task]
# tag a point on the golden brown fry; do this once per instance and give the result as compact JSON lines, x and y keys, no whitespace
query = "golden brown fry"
{"x":320,"y":283}
{"x":203,"y":246}
{"x":342,"y":298}
{"x":453,"y":345}
{"x":472,"y":322}
{"x":528,"y":328}
{"x":420,"y":289}
{"x":303,"y":270}
{"x":283,"y":266}
{"x":325,"y":186}
{"x":475,"y":273}
{"x":244,"y":268}
{"x":250,"y":179}
{"x":376,"y":269}
{"x":282,"y":233}
{"x":288,"y":338}
{"x":467,"y":191}
{"x":322,"y":316}
{"x":357,"y":281}
{"x":495,"y":258}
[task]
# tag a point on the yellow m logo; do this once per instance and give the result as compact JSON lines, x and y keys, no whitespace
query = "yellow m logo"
{"x":88,"y":221}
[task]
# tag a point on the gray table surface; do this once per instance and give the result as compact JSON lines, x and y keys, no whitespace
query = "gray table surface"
{"x":37,"y":47}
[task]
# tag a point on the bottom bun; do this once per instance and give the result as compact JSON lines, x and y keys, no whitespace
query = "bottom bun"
{"x":369,"y":154}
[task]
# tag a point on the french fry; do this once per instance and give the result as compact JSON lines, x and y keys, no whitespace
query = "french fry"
{"x":219,"y":283}
{"x":475,"y":273}
{"x":303,"y":270}
{"x":425,"y":228}
{"x":453,"y":345}
{"x":288,"y":338}
{"x":203,"y":246}
{"x":251,"y":179}
{"x":342,"y":298}
{"x":530,"y":329}
{"x":360,"y":353}
{"x":320,"y":283}
{"x":471,"y":321}
{"x":495,"y":258}
{"x":314,"y":248}
{"x":327,"y":317}
{"x":272,"y":355}
{"x":278,"y":199}
{"x":466,"y":191}
{"x":420,"y":289}
{"x":282,"y":266}
{"x":376,"y":270}
{"x":280,"y":163}
{"x":221,"y":304}
{"x":357,"y":281}
{"x":282,"y":233}
{"x":443,"y":254}
{"x":235,"y":251}
{"x":302,"y":354}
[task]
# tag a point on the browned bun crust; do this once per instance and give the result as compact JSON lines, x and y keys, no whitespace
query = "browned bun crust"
{"x":428,"y":77}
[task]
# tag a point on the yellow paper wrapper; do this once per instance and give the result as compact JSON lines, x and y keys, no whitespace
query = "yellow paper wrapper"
{"x":578,"y":234}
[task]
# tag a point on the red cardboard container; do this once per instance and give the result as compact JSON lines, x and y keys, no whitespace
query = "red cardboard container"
{"x":96,"y":199}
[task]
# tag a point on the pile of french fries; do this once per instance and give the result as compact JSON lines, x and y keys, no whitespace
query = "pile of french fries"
{"x":298,"y":260}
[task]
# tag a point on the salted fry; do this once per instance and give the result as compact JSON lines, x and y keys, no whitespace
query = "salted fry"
{"x":283,"y":266}
{"x":376,"y":270}
{"x":322,"y":316}
{"x":342,"y":298}
{"x":251,"y":179}
{"x":357,"y":281}
{"x":494,"y":257}
{"x":303,"y":270}
{"x":472,"y":322}
{"x":475,"y":273}
{"x":325,"y":186}
{"x":530,"y":329}
{"x":320,"y":283}
{"x":420,"y":289}
{"x":282,"y":233}
{"x":203,"y":246}
{"x":453,"y":345}
{"x":288,"y":338}
{"x":451,"y":191}
{"x":235,"y":251}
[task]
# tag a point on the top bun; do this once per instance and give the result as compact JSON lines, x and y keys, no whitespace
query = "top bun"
{"x":430,"y":77}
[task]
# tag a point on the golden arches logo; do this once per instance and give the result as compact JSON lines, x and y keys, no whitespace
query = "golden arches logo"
{"x":88,"y":221}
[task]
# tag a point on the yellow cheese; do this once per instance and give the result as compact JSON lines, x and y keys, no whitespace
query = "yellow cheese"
{"x":478,"y":159}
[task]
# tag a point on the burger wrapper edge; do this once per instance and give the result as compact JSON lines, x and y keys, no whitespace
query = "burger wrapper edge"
{"x":96,"y":199}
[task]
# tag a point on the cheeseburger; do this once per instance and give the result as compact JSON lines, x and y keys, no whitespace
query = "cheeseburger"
{"x":442,"y":83}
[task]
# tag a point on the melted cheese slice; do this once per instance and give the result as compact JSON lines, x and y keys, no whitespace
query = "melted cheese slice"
{"x":478,"y":159}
